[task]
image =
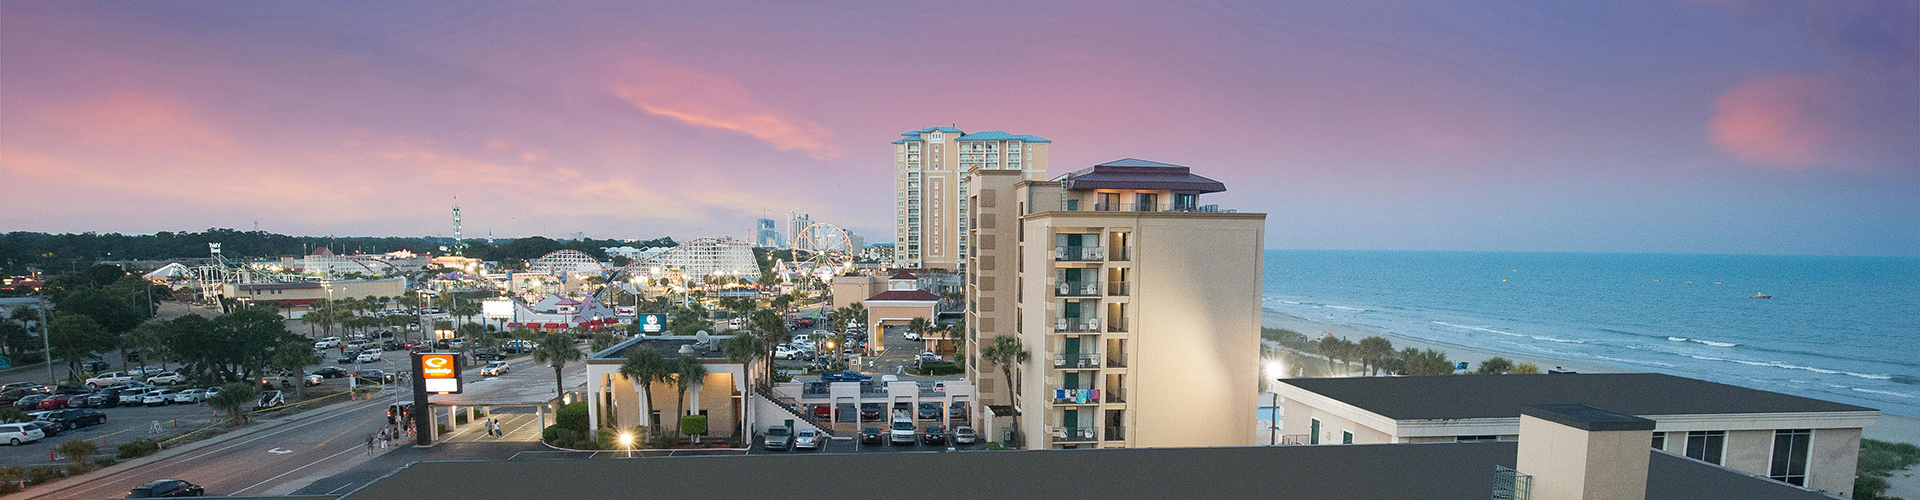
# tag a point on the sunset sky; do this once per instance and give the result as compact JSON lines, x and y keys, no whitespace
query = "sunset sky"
{"x":1639,"y":125}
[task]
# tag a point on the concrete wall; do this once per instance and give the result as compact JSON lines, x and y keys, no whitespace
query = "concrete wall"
{"x":1572,"y":464}
{"x":991,"y":284}
{"x":850,"y":289}
{"x":1833,"y":463}
{"x":1297,"y":418}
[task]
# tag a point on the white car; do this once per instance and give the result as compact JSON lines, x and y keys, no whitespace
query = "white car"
{"x":157,"y":397}
{"x":16,"y":434}
{"x":494,"y":369}
{"x":368,"y":356}
{"x":108,"y":378}
{"x":326,"y":342}
{"x":190,"y":396}
{"x":211,"y":392}
{"x":807,"y":438}
{"x":785,"y":351}
{"x":913,"y":335}
{"x":166,"y":378}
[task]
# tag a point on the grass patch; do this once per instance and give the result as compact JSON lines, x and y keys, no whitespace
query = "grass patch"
{"x":1878,"y":461}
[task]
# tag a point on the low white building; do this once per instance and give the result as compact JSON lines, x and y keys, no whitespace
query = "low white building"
{"x":704,"y":257}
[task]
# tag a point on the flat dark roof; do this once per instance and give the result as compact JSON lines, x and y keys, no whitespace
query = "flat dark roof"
{"x":1497,"y":396}
{"x":1436,"y":471}
{"x":1588,"y":418}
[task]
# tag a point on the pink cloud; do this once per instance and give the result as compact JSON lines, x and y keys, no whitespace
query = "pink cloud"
{"x":701,"y":99}
{"x":1775,"y":120}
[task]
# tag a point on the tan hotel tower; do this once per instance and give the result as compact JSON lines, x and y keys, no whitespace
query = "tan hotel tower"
{"x":931,"y":168}
{"x":1139,"y":305}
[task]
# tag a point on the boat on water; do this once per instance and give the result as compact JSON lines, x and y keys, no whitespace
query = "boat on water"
{"x":1758,"y":295}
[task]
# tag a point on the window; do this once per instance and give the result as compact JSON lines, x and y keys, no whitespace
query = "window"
{"x":1346,"y":437}
{"x":1185,"y":201}
{"x":1706,"y":446}
{"x":1659,"y":440}
{"x":1314,"y":437}
{"x":1474,"y":439}
{"x":1790,"y":448}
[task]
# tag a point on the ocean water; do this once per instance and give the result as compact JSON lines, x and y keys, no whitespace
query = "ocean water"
{"x":1839,"y":328}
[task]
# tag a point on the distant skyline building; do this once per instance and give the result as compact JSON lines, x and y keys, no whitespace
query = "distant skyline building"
{"x":765,"y":234}
{"x":796,"y":223}
{"x":931,"y":168}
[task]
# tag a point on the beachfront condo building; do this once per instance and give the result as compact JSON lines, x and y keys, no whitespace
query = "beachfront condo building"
{"x":1139,"y":307}
{"x":932,"y":169}
{"x":1795,"y":440}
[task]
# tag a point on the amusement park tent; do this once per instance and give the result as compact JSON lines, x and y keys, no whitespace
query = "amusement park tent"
{"x":168,"y":272}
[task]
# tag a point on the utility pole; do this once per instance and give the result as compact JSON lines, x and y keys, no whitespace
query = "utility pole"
{"x":46,"y":337}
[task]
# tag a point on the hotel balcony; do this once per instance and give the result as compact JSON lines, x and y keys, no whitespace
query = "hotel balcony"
{"x":1120,"y":254}
{"x":1157,"y":207}
{"x":1082,"y":361}
{"x":1117,"y":288}
{"x":1073,"y":397}
{"x":1116,"y":360}
{"x":1068,"y":288}
{"x":1114,"y":434}
{"x":1076,"y":325}
{"x":1064,"y":435}
{"x":1114,"y":395}
{"x":1070,"y":253}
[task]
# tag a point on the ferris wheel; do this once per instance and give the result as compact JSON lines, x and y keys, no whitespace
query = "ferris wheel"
{"x":822,"y":250}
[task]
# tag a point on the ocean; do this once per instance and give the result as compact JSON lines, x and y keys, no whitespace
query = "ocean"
{"x":1838,"y":328}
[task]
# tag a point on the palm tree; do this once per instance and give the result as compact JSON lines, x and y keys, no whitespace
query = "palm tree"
{"x":745,"y":349}
{"x":918,"y":326}
{"x":857,"y":312}
{"x":643,"y":367}
{"x":556,"y":350}
{"x":686,"y":371}
{"x":1007,"y":353}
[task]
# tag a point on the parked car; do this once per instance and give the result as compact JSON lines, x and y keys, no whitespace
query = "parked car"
{"x":55,"y":402}
{"x":845,"y":376}
{"x":167,"y":378}
{"x":374,"y":376}
{"x":956,"y":412}
{"x":190,"y":396}
{"x":870,"y":411}
{"x":72,"y":390}
{"x":348,"y":357}
{"x":822,"y":411}
{"x":16,"y":434}
{"x":74,"y":419}
{"x":902,"y":432}
{"x":929,"y":411}
{"x":495,"y":369}
{"x":332,"y":372}
{"x":871,"y":435}
{"x":786,"y":351}
{"x":964,"y":435}
{"x":132,"y":396}
{"x":22,"y":386}
{"x":934,"y":435}
{"x":94,"y":365}
{"x":928,"y":357}
{"x":108,"y":378}
{"x":104,"y":398}
{"x":327,"y":343}
{"x":49,"y":428}
{"x":313,"y":379}
{"x":157,"y":397}
{"x":166,"y":488}
{"x":368,"y":356}
{"x":807,"y":438}
{"x":777,"y":438}
{"x":213,"y":391}
{"x":29,"y":402}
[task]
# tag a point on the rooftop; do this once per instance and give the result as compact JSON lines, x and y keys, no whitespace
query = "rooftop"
{"x":995,"y":135}
{"x":921,"y":295}
{"x":1424,"y":471}
{"x":1503,"y":396}
{"x":1133,"y":173}
{"x":669,"y":346}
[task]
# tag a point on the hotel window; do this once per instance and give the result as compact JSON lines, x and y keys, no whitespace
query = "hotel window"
{"x":1474,"y":439}
{"x":1790,"y":449}
{"x":1146,"y":202}
{"x":1346,"y":437}
{"x":1313,"y":437}
{"x":1659,"y":440}
{"x":1706,"y":446}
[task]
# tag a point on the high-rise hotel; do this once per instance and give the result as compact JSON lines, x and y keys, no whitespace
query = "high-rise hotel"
{"x":931,"y":181}
{"x":1139,"y":305}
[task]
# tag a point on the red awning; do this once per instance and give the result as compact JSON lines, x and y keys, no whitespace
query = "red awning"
{"x":555,"y":325}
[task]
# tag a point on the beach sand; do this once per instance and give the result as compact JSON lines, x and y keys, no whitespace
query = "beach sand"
{"x":1892,"y":428}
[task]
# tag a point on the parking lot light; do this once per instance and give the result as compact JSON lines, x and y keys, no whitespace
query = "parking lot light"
{"x":626,"y":441}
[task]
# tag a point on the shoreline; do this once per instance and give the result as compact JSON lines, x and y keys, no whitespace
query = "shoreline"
{"x":1890,"y":427}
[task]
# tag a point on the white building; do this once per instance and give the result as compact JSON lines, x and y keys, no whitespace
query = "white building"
{"x":705,"y":257}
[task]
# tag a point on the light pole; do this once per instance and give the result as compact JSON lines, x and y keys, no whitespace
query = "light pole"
{"x":46,"y":338}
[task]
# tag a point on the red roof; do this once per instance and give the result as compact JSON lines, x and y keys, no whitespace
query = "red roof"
{"x":905,"y":295}
{"x":902,"y":275}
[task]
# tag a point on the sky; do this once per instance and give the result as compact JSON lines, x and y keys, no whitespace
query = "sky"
{"x":1770,"y":127}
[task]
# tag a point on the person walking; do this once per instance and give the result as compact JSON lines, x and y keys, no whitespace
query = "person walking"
{"x":369,"y":444}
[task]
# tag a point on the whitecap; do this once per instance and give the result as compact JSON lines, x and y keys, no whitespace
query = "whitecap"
{"x":1345,"y":308}
{"x":1677,"y":339}
{"x":1715,"y":344}
{"x":1777,"y":364}
{"x":1563,"y":341}
{"x":1478,"y":328}
{"x":1888,"y":393}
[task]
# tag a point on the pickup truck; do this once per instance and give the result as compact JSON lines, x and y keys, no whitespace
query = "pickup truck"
{"x":108,"y":378}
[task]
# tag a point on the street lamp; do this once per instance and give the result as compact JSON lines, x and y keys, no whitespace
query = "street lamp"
{"x":626,"y":441}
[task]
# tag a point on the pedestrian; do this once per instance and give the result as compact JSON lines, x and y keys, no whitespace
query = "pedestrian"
{"x":369,"y":444}
{"x":496,"y":428}
{"x":493,"y":427}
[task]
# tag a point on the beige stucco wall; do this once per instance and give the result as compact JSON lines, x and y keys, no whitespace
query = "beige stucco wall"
{"x":850,"y":289}
{"x":1571,"y":464}
{"x":1297,"y":419}
{"x":1748,"y":451}
{"x":1833,"y":463}
{"x":716,"y":397}
{"x":991,"y":287}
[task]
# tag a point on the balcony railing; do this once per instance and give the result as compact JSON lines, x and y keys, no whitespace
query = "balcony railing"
{"x":1120,"y":253}
{"x":1074,"y":396}
{"x":1078,"y":361}
{"x":1069,"y":288}
{"x":1079,"y":253}
{"x":1072,"y":434}
{"x":1116,"y":361}
{"x":1117,"y":325}
{"x":1117,"y":288}
{"x":1115,"y":395}
{"x":1076,"y":325}
{"x":1114,"y":434}
{"x":1157,"y":207}
{"x":1509,"y":484}
{"x":1295,"y":439}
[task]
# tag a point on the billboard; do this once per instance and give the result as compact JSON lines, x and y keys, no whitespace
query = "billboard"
{"x":441,"y":372}
{"x":651,"y":322}
{"x":625,"y":311}
{"x":497,"y":309}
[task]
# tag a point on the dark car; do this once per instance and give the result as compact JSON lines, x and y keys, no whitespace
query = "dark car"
{"x":374,"y":375}
{"x":870,"y":411}
{"x":51,"y":429}
{"x":104,"y":398}
{"x":166,"y":488}
{"x":934,"y":435}
{"x":95,"y":365}
{"x":348,"y":357}
{"x":74,"y":419}
{"x":29,"y":402}
{"x":391,"y":345}
{"x":871,"y":435}
{"x":929,"y":411}
{"x":845,"y":376}
{"x":332,"y":372}
{"x":19,"y":385}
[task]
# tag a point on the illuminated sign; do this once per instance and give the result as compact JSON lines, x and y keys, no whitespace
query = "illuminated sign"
{"x":625,"y":311}
{"x":651,"y":323}
{"x":440,"y":372}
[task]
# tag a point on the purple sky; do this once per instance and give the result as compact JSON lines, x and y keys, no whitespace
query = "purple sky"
{"x":1644,"y":126}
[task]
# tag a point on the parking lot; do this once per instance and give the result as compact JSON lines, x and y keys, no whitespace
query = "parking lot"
{"x":853,"y":445}
{"x":124,"y":424}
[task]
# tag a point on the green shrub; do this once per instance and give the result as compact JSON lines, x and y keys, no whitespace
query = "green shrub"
{"x":693,"y":425}
{"x":8,"y":413}
{"x":138,"y":448}
{"x":459,"y":417}
{"x":44,"y":474}
{"x":29,"y":358}
{"x":995,"y":445}
{"x":551,"y":433}
{"x":105,"y":461}
{"x":608,"y":439}
{"x":940,"y":368}
{"x":573,"y":416}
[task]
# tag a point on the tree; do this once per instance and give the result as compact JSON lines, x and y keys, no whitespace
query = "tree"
{"x":1334,"y":348}
{"x":1374,"y":352}
{"x":688,"y":320}
{"x":556,"y":350}
{"x":76,"y":338}
{"x":745,"y":348}
{"x":145,"y":340}
{"x":1425,"y":362}
{"x":1495,"y":366}
{"x":294,"y":356}
{"x":465,"y":309}
{"x":1007,"y":353}
{"x":1524,"y":368}
{"x":643,"y":367}
{"x":918,"y":326}
{"x":113,"y":310}
{"x":686,"y":372}
{"x":232,"y":398}
{"x":957,"y":333}
{"x":600,"y":341}
{"x":79,"y":452}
